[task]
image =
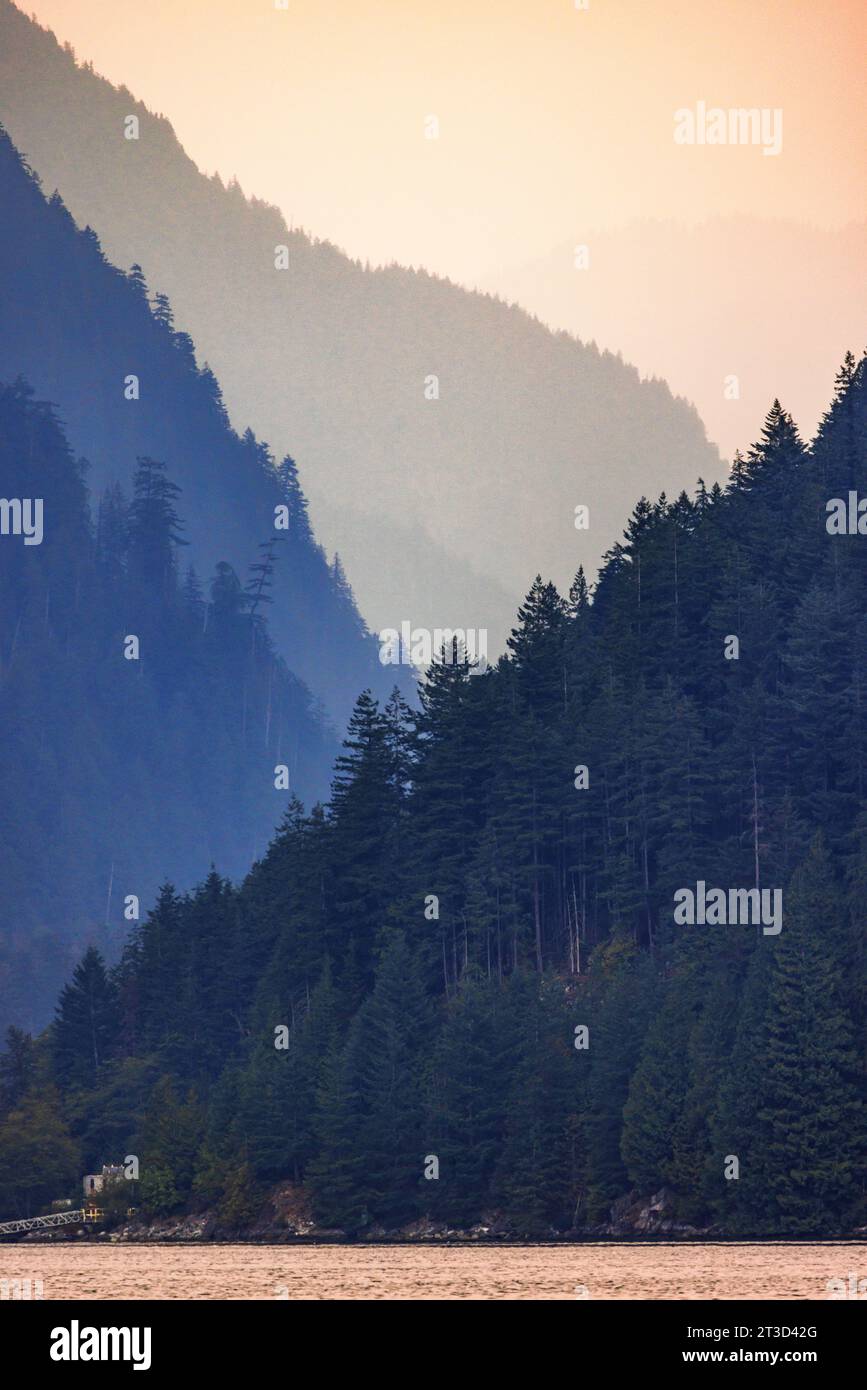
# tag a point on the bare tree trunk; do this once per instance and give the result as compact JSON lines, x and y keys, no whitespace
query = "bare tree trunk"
{"x":108,"y":896}
{"x":578,"y":923}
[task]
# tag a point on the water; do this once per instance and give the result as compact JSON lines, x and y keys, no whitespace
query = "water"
{"x":768,"y":1271}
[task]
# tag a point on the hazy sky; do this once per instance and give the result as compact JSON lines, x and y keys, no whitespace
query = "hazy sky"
{"x":553,"y":120}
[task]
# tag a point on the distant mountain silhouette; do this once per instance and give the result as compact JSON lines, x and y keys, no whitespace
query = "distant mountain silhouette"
{"x":772,"y":302}
{"x":124,"y":765}
{"x":117,"y":771}
{"x":78,"y":329}
{"x":440,"y":508}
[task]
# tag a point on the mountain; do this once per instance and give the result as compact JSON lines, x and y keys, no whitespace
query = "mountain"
{"x":439,"y":507}
{"x":116,"y":770}
{"x":700,"y":305}
{"x":127,"y":384}
{"x":144,"y":713}
{"x":466,"y":994}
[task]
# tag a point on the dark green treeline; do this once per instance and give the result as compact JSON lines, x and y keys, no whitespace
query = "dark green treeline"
{"x":495,"y":873}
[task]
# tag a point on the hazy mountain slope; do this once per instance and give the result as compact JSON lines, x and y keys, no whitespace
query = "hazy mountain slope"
{"x":114,"y":772}
{"x":76,"y":328}
{"x":117,"y":773}
{"x":331,"y":360}
{"x":408,"y":1037}
{"x":672,"y":299}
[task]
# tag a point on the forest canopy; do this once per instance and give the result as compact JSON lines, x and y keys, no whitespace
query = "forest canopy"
{"x":470,"y":954}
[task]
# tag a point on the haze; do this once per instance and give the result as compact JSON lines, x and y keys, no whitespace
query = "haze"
{"x":555,"y":130}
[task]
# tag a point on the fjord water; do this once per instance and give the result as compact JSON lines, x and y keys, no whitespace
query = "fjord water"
{"x":598,"y":1271}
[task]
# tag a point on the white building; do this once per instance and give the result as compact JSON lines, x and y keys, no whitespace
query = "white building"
{"x":97,"y":1182}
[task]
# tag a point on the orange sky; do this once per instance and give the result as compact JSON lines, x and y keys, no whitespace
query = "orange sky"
{"x":552,"y":119}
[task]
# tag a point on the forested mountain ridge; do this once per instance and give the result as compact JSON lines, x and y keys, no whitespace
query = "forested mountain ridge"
{"x":144,"y":710}
{"x":96,"y":342}
{"x":392,"y":1007}
{"x":655,"y":286}
{"x":429,"y":422}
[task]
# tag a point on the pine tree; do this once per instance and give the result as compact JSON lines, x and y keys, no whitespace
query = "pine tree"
{"x":86,"y":1023}
{"x":396,"y":1033}
{"x":155,"y":528}
{"x":658,"y":1087}
{"x":364,"y":805}
{"x":17,"y":1068}
{"x":299,"y":522}
{"x":619,"y":1003}
{"x":337,"y":1175}
{"x":539,"y":1170}
{"x":741,"y":1194}
{"x":811,"y":1110}
{"x":468,"y":1101}
{"x":537,"y":649}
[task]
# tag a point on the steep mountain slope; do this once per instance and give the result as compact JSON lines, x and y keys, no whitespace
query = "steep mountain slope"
{"x":677,"y":300}
{"x":79,"y":330}
{"x":120,"y":762}
{"x":472,"y":956}
{"x":439,"y":507}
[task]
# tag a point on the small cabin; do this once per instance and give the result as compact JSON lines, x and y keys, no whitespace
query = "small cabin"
{"x":98,"y":1182}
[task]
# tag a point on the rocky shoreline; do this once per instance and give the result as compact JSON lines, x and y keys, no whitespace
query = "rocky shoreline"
{"x":286,"y":1219}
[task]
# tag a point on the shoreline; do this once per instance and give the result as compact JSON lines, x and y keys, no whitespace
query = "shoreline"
{"x":285,"y":1218}
{"x":451,"y":1242}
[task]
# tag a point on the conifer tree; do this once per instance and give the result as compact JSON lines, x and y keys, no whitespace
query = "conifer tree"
{"x":154,"y":526}
{"x":468,"y":1094}
{"x":811,"y":1110}
{"x":86,"y":1023}
{"x":396,"y":1035}
{"x":17,"y":1068}
{"x":540,"y":1167}
{"x":337,"y":1174}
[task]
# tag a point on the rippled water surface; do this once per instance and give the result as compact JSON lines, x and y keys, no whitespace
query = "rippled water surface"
{"x":434,"y":1272}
